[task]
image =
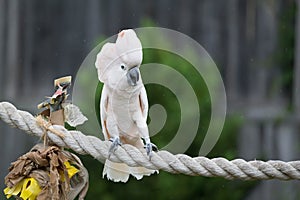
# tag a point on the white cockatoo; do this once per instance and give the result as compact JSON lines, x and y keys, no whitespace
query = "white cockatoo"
{"x":124,"y":103}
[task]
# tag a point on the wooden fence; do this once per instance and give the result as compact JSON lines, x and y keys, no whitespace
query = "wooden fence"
{"x":247,"y":39}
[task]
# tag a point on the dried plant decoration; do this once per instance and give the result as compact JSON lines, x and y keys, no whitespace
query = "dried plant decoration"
{"x":47,"y":172}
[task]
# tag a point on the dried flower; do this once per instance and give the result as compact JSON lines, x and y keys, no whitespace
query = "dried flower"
{"x":46,"y":173}
{"x":27,"y":189}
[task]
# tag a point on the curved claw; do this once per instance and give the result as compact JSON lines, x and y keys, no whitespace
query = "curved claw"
{"x":150,"y":147}
{"x":115,"y":143}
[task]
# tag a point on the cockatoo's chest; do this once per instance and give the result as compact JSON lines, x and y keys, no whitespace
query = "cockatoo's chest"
{"x":124,"y":110}
{"x":123,"y":107}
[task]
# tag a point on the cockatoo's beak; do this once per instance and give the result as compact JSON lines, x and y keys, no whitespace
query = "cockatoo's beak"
{"x":133,"y":76}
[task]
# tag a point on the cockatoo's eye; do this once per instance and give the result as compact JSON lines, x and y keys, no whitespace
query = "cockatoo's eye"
{"x":123,"y":67}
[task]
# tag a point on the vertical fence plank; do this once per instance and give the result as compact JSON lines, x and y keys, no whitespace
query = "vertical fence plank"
{"x":296,"y":92}
{"x":2,"y":45}
{"x":28,"y":45}
{"x":93,"y":23}
{"x":232,"y":64}
{"x":12,"y":75}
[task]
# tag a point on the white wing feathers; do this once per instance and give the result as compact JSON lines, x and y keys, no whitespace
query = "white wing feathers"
{"x":103,"y":111}
{"x":144,"y":103}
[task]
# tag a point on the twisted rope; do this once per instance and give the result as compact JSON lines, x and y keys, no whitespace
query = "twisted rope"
{"x":162,"y":160}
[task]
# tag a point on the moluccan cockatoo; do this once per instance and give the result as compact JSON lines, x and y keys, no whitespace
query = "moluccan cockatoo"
{"x":124,"y":103}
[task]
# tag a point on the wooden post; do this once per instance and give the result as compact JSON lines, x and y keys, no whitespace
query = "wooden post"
{"x":233,"y":51}
{"x":296,"y":92}
{"x":2,"y":41}
{"x":94,"y":23}
{"x":12,"y":48}
{"x":27,"y":79}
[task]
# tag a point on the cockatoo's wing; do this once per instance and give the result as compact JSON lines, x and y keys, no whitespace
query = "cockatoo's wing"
{"x":144,"y":103}
{"x":129,"y":47}
{"x":105,"y":58}
{"x":103,"y":112}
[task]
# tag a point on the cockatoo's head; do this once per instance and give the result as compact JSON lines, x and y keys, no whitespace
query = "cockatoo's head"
{"x":118,"y":63}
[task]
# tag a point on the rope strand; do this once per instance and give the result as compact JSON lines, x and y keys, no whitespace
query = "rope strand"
{"x":161,"y":160}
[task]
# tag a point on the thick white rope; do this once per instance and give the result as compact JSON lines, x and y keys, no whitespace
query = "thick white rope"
{"x":162,"y":160}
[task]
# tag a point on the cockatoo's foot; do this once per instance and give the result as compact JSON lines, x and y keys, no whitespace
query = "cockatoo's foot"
{"x":150,"y":147}
{"x":115,"y":143}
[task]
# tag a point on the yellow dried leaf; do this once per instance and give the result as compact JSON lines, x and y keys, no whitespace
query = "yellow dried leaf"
{"x":14,"y":190}
{"x":30,"y":190}
{"x":71,"y":169}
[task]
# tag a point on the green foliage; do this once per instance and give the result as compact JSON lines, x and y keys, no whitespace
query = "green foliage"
{"x":158,"y":94}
